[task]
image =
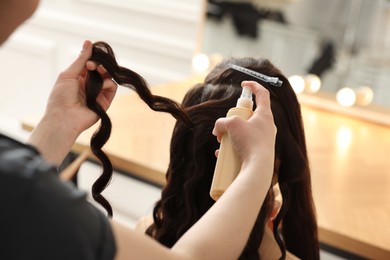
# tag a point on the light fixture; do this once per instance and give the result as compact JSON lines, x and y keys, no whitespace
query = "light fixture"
{"x":346,"y":97}
{"x":297,"y":83}
{"x":200,"y":62}
{"x":364,"y":95}
{"x":312,"y":83}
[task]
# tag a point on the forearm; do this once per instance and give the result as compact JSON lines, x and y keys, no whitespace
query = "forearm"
{"x":53,"y":138}
{"x":222,"y":232}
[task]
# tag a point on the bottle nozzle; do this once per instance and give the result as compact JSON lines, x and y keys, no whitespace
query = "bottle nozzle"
{"x":245,"y":99}
{"x":246,"y":93}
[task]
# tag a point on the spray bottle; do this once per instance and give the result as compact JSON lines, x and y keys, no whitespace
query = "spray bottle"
{"x":228,"y":163}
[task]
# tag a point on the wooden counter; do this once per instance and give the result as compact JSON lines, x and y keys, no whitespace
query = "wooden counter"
{"x":350,"y":162}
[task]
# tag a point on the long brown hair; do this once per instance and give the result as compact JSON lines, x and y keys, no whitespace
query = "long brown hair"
{"x":185,"y":198}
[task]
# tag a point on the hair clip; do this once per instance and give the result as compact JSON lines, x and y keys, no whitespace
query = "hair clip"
{"x":274,"y":81}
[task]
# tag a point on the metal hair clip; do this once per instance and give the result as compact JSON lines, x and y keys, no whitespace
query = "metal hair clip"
{"x":274,"y":81}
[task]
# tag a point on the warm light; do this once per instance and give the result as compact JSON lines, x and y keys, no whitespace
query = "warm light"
{"x":312,"y":83}
{"x":297,"y":83}
{"x":344,"y":138}
{"x":364,"y":95}
{"x":215,"y":59}
{"x":200,"y":62}
{"x":346,"y":97}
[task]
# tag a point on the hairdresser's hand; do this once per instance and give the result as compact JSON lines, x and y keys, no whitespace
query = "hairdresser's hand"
{"x":66,"y":114}
{"x":67,"y":99}
{"x":253,"y":140}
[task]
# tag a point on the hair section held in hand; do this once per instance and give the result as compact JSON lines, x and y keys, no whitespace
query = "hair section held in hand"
{"x":103,"y":55}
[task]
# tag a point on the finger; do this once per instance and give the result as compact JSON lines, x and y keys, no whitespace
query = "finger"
{"x":219,"y":128}
{"x":107,"y":94}
{"x":109,"y":89}
{"x":109,"y":84}
{"x":261,"y":93}
{"x":79,"y":64}
{"x":225,"y":124}
{"x":216,"y":153}
{"x":91,"y":65}
{"x":103,"y":72}
{"x":83,"y":72}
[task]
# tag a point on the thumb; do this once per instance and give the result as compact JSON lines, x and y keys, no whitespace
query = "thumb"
{"x":79,"y":64}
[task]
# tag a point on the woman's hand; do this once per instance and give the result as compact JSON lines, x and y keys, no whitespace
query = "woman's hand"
{"x":230,"y":220}
{"x":67,"y":100}
{"x":256,"y":136}
{"x":67,"y":114}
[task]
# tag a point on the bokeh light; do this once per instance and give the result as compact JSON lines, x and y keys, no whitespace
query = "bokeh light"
{"x":200,"y":62}
{"x":312,"y":83}
{"x":297,"y":83}
{"x":346,"y":97}
{"x":364,"y":95}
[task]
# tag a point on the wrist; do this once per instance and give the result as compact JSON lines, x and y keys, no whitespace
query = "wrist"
{"x":53,"y":137}
{"x":259,"y":168}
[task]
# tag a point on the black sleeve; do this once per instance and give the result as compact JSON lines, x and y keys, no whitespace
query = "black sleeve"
{"x":42,"y":217}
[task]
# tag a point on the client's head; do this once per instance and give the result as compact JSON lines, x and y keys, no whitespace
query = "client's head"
{"x":185,"y":198}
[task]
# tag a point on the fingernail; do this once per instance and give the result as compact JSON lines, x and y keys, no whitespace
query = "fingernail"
{"x":102,"y":68}
{"x":85,"y":45}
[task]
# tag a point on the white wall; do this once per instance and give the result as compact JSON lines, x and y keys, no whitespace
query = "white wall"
{"x":156,"y":38}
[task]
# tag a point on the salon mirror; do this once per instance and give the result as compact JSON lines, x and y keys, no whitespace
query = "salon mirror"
{"x":342,"y":44}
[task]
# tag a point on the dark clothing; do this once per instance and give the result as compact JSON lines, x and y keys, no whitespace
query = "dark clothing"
{"x":42,"y":217}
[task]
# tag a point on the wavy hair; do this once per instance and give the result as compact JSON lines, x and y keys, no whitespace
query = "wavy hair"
{"x":103,"y":54}
{"x":185,"y":198}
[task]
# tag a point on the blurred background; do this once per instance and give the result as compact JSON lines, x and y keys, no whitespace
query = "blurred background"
{"x":335,"y":49}
{"x":155,"y":38}
{"x":325,"y":46}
